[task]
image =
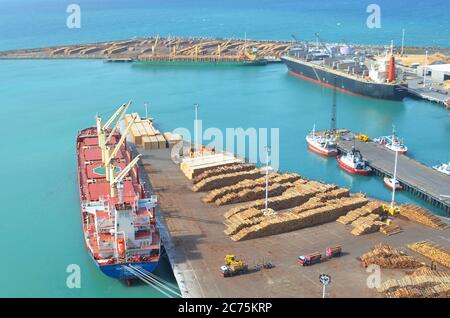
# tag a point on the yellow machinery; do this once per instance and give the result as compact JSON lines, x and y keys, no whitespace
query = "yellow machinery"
{"x":391,"y":209}
{"x":362,"y":137}
{"x":233,"y":266}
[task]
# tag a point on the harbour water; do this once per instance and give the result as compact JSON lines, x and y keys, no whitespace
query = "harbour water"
{"x":45,"y":103}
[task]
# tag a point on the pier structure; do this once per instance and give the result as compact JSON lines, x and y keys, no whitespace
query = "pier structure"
{"x":196,"y":244}
{"x":424,"y":182}
{"x":162,"y":49}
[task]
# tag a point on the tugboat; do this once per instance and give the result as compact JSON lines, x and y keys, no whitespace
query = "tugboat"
{"x":353,"y":163}
{"x":325,"y":145}
{"x":392,"y":142}
{"x":392,"y":183}
{"x":444,"y":168}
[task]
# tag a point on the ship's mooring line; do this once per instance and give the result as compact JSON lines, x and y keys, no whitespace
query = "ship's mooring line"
{"x":141,"y":277}
{"x":156,"y":280}
{"x":165,"y":282}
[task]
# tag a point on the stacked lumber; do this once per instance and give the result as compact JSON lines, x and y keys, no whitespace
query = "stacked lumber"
{"x":143,"y":133}
{"x":292,"y":197}
{"x":420,"y":215}
{"x":432,"y":251}
{"x":422,"y":283}
{"x":298,"y":218}
{"x":373,"y":207}
{"x":390,"y":229}
{"x":226,"y":194}
{"x":225,"y":180}
{"x":236,"y":167}
{"x":250,"y":194}
{"x":193,"y":167}
{"x":172,"y":139}
{"x":387,"y":256}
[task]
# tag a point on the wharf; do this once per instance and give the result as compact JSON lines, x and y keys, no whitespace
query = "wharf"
{"x":433,"y":95}
{"x":415,"y":177}
{"x":193,"y":237}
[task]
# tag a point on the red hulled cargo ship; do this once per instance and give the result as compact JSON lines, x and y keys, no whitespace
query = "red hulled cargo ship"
{"x":118,"y":218}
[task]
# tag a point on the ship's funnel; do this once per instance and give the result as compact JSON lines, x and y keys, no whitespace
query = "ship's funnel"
{"x":391,"y":71}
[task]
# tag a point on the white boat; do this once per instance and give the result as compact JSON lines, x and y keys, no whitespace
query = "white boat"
{"x":444,"y":168}
{"x":392,"y":142}
{"x":353,"y":162}
{"x":324,"y":145}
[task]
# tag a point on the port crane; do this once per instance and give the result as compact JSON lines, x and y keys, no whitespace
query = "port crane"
{"x":320,"y":42}
{"x":155,"y":44}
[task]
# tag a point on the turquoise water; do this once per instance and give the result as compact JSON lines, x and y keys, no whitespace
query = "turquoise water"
{"x":45,"y":103}
{"x":33,"y":23}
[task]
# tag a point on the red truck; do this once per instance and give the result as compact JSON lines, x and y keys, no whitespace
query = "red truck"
{"x":333,"y":251}
{"x":313,"y":258}
{"x":309,"y":259}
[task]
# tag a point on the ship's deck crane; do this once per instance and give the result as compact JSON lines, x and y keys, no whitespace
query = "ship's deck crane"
{"x":109,"y":167}
{"x":320,"y":42}
{"x":116,"y":125}
{"x":116,"y":184}
{"x":101,"y":129}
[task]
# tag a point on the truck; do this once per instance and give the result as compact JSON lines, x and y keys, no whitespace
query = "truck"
{"x":333,"y":251}
{"x":233,"y":266}
{"x":309,"y":259}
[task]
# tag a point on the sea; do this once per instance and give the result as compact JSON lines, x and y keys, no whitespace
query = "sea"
{"x":44,"y":103}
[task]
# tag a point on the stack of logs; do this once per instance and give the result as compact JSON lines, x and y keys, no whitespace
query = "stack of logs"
{"x":432,"y":251}
{"x":387,"y":256}
{"x":422,"y":283}
{"x":422,"y":216}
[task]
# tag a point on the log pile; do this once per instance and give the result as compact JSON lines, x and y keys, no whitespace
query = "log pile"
{"x":194,"y":166}
{"x":373,"y":207}
{"x":297,"y":218}
{"x":422,"y":283}
{"x":432,"y":251}
{"x":387,"y":256}
{"x":255,"y":193}
{"x":218,"y":194}
{"x":390,"y":229}
{"x":237,"y":167}
{"x":223,"y":180}
{"x":366,"y":226}
{"x":422,"y":216}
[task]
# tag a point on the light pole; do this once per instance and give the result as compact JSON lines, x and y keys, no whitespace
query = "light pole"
{"x":403,"y":41}
{"x":146,"y":110}
{"x":266,"y":211}
{"x":425,"y":68}
{"x":195,"y":128}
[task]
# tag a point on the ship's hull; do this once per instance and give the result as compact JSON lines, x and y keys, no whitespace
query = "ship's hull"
{"x":320,"y":150}
{"x":113,"y":270}
{"x":343,"y":83}
{"x":349,"y":169}
{"x":119,"y":271}
{"x":389,"y":184}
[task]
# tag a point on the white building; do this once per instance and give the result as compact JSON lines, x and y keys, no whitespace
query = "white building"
{"x":437,"y":72}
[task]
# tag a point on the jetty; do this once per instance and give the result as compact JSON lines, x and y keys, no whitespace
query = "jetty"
{"x":159,"y":49}
{"x":428,"y":184}
{"x":194,"y":232}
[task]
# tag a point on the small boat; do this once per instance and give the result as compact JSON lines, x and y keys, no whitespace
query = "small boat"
{"x":324,"y":145}
{"x":353,"y":162}
{"x":390,"y":182}
{"x":392,"y":142}
{"x":444,"y":168}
